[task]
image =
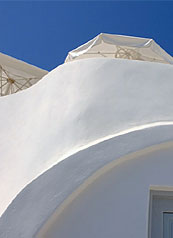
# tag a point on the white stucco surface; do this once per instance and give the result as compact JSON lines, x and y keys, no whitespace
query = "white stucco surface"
{"x":116,"y":204}
{"x":42,"y":207}
{"x":75,"y":106}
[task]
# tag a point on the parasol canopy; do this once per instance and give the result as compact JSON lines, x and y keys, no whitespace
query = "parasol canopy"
{"x":16,"y":75}
{"x":117,"y":46}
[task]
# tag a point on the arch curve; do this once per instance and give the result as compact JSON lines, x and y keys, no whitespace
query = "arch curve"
{"x":54,"y":189}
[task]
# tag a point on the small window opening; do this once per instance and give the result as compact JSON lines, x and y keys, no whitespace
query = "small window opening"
{"x":161,"y":213}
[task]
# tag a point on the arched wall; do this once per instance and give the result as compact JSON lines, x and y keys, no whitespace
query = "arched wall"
{"x":116,"y":203}
{"x":38,"y":205}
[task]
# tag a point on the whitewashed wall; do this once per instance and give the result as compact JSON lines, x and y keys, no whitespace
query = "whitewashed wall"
{"x":116,"y":204}
{"x":75,"y":106}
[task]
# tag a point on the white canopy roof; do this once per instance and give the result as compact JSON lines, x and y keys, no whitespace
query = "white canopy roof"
{"x":117,"y":46}
{"x":16,"y":75}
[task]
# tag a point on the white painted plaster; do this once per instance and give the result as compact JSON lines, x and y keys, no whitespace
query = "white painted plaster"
{"x":39,"y":204}
{"x":116,"y":204}
{"x":77,"y":105}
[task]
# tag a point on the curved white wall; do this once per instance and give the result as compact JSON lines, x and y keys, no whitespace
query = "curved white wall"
{"x":39,"y":205}
{"x":76,"y":108}
{"x":74,"y":105}
{"x":116,"y":203}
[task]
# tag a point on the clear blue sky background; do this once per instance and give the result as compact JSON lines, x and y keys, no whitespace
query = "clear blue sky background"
{"x":42,"y":33}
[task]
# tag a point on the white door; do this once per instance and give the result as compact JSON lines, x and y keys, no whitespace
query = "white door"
{"x":168,"y":225}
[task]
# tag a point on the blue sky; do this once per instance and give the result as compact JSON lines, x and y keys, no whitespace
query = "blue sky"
{"x":42,"y":33}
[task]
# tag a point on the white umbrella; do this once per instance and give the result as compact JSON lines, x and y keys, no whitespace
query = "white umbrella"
{"x":116,"y":46}
{"x":16,"y":75}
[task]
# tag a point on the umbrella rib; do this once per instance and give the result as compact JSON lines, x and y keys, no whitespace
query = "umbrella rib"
{"x":25,"y":80}
{"x":17,"y":86}
{"x":16,"y":75}
{"x":7,"y":89}
{"x":4,"y":84}
{"x":5,"y":72}
{"x":4,"y":77}
{"x":18,"y":83}
{"x":11,"y":88}
{"x":23,"y":85}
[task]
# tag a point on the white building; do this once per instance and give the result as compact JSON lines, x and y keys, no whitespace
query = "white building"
{"x":89,"y":151}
